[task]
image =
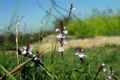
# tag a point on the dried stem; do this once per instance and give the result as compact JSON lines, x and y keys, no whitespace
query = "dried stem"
{"x":71,"y":7}
{"x":47,"y":72}
{"x":20,"y":66}
{"x":17,"y":29}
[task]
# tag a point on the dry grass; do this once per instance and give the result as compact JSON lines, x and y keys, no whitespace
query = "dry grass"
{"x":85,"y":43}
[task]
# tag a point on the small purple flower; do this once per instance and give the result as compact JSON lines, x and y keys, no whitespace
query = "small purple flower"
{"x":80,"y":53}
{"x":37,"y":59}
{"x":27,"y":50}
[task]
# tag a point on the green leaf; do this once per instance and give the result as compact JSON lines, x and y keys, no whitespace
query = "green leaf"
{"x":7,"y":72}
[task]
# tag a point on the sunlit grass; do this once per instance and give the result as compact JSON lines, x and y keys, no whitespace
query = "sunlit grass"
{"x":70,"y":67}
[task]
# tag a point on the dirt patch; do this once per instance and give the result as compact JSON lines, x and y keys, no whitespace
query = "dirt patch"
{"x":85,"y":43}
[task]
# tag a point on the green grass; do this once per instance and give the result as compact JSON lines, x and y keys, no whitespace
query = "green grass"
{"x":69,"y":68}
{"x":101,"y":24}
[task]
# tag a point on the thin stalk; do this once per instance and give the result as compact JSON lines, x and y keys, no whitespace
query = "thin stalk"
{"x":25,"y":26}
{"x":99,"y":70}
{"x":34,"y":73}
{"x":17,"y":29}
{"x":4,"y":54}
{"x":53,"y":51}
{"x":71,"y":7}
{"x":47,"y":72}
{"x":20,"y":66}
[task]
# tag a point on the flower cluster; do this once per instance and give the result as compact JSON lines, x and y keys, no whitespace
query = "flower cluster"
{"x":61,"y":36}
{"x":80,"y":53}
{"x":37,"y":59}
{"x":27,"y":50}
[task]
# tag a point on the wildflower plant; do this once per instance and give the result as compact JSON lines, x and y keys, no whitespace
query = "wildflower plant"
{"x":101,"y":67}
{"x":61,"y":36}
{"x":80,"y":53}
{"x":37,"y":59}
{"x":62,"y":32}
{"x":26,"y":51}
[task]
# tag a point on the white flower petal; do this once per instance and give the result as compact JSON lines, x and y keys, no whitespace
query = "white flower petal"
{"x":103,"y":64}
{"x":65,"y":27}
{"x":65,"y":32}
{"x":65,"y":42}
{"x":35,"y":58}
{"x":73,"y":9}
{"x":61,"y":49}
{"x":30,"y":52}
{"x":59,"y":36}
{"x":81,"y":55}
{"x":109,"y":77}
{"x":24,"y":52}
{"x":57,"y":30}
{"x":104,"y":70}
{"x":34,"y":55}
{"x":77,"y":53}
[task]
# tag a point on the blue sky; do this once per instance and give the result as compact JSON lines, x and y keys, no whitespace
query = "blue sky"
{"x":33,"y":14}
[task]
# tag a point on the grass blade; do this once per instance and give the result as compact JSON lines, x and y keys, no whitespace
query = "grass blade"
{"x":7,"y":72}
